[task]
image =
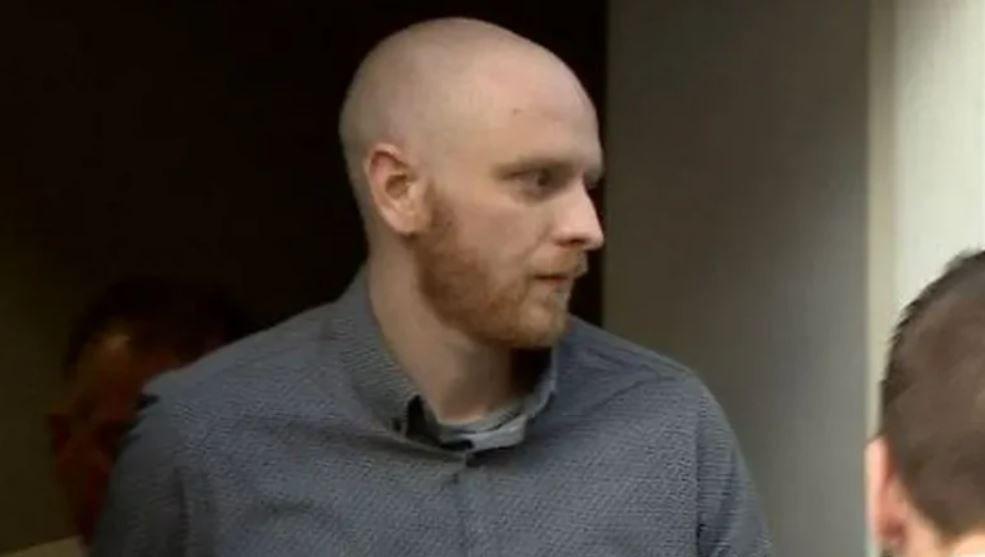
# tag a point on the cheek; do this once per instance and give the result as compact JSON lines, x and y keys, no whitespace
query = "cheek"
{"x":502,"y":235}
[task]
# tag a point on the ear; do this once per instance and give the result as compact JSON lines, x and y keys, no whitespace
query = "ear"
{"x":396,"y":189}
{"x":887,"y":503}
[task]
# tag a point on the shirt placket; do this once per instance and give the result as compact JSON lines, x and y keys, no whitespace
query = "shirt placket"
{"x":472,"y":484}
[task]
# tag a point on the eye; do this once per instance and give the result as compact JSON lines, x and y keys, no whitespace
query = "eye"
{"x":542,"y":179}
{"x":593,"y":180}
{"x":539,"y":180}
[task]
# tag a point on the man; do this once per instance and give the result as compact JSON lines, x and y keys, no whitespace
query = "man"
{"x":446,"y":404}
{"x":134,"y":331}
{"x":926,"y":467}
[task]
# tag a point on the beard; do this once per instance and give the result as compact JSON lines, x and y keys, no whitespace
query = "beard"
{"x":465,"y":294}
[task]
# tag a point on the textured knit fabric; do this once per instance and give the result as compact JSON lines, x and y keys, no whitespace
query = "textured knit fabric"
{"x":291,"y":442}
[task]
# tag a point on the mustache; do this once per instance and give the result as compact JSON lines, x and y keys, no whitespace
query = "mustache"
{"x":572,"y":266}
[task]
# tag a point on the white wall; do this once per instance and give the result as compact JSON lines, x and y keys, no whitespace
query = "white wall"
{"x":927,"y":136}
{"x":927,"y":153}
{"x":36,"y":298}
{"x":736,"y":215}
{"x":939,"y":156}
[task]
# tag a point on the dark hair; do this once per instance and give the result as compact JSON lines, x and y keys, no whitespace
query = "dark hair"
{"x":159,"y":314}
{"x":933,"y":398}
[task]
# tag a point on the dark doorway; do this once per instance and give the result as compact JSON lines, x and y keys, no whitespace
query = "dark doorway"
{"x":188,"y":140}
{"x":198,"y":138}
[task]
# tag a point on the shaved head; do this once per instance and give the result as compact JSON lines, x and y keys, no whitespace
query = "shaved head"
{"x":471,"y":150}
{"x":426,"y":87}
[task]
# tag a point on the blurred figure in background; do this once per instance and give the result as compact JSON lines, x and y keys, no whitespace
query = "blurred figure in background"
{"x":136,"y":330}
{"x":926,"y":467}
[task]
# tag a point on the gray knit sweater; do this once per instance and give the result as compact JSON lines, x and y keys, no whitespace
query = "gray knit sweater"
{"x":293,"y":442}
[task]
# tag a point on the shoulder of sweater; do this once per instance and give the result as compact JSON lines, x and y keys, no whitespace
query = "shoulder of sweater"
{"x":601,"y":355}
{"x":284,"y":347}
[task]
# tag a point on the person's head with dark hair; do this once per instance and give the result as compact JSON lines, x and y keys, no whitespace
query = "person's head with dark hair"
{"x":135,"y":330}
{"x":926,"y":467}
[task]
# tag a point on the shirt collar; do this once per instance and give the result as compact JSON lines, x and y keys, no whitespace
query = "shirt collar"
{"x":377,"y":377}
{"x":507,"y":434}
{"x":374,"y":372}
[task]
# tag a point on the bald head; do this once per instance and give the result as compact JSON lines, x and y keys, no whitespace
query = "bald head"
{"x":471,"y":150}
{"x":425,"y":87}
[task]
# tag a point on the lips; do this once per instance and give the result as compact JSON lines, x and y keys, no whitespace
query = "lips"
{"x":564,"y":276}
{"x":557,"y":279}
{"x":567,"y":270}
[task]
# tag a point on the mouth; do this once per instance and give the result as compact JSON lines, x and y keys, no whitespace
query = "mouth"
{"x":557,"y":280}
{"x":563,"y":277}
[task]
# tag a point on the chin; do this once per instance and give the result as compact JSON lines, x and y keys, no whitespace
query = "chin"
{"x":544,"y":330}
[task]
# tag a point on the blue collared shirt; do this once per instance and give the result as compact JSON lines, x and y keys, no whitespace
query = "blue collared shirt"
{"x":290,"y":443}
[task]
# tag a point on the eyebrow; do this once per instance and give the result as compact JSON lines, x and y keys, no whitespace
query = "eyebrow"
{"x":523,"y":164}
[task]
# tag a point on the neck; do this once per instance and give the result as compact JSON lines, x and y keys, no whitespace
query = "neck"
{"x":460,"y":378}
{"x":969,"y":546}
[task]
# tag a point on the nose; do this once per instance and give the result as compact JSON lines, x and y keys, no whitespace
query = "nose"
{"x":578,"y":222}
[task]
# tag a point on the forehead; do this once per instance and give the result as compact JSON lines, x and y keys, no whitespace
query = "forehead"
{"x":528,"y":110}
{"x":111,"y":368}
{"x":541,"y":134}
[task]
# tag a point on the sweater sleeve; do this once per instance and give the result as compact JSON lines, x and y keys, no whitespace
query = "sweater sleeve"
{"x":730,"y":520}
{"x":146,"y":511}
